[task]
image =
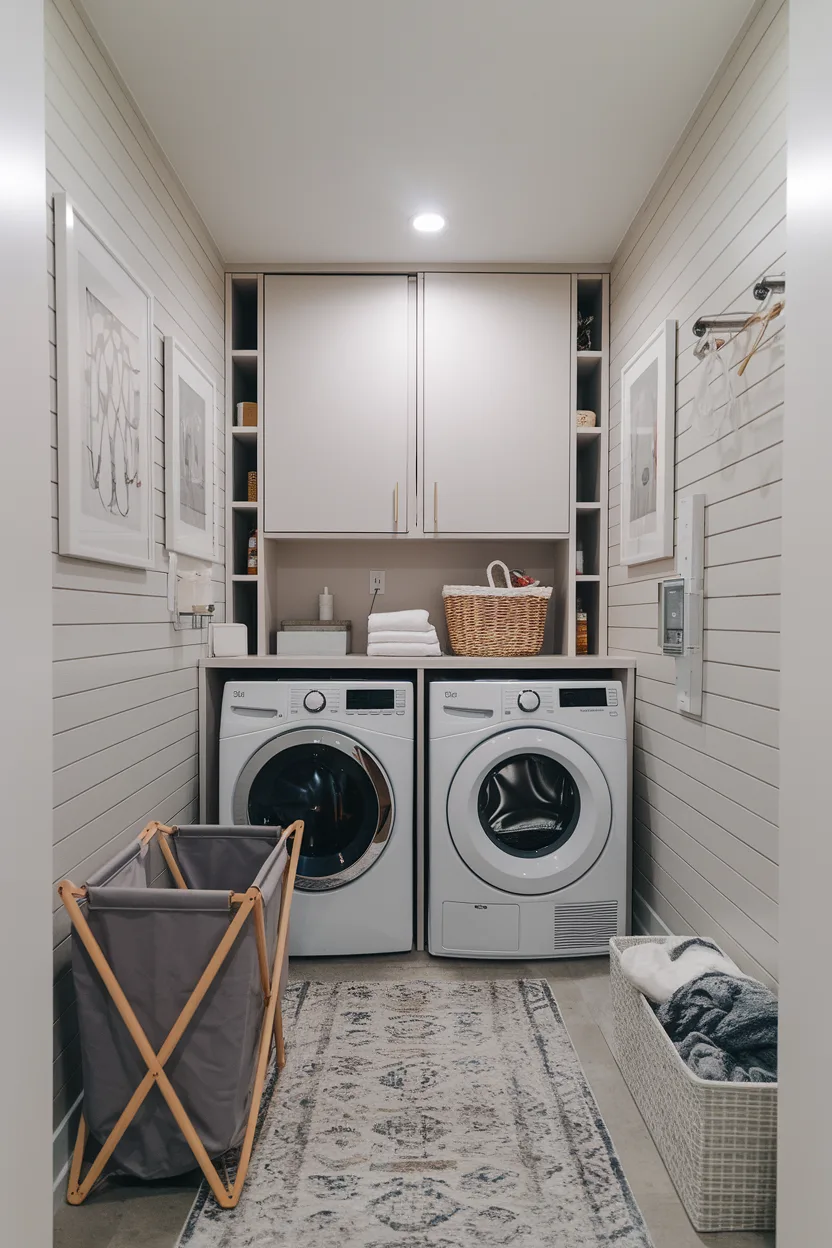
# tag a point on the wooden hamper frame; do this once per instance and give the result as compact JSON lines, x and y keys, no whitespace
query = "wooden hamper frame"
{"x":248,"y":905}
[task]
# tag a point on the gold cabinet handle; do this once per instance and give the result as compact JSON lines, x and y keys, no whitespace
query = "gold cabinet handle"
{"x":435,"y":505}
{"x":396,"y":507}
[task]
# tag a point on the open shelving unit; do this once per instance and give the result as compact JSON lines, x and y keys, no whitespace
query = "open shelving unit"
{"x":244,"y":384}
{"x":590,"y":451}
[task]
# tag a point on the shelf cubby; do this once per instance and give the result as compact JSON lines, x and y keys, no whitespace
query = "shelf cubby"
{"x":242,"y":522}
{"x":243,"y":311}
{"x":588,"y":595}
{"x":587,"y":526}
{"x":588,"y":473}
{"x":244,"y":600}
{"x":591,"y":303}
{"x":243,"y":461}
{"x":243,"y":382}
{"x":589,"y":387}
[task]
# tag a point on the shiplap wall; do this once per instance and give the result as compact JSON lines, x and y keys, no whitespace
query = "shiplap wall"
{"x":706,"y":793}
{"x":125,"y":684}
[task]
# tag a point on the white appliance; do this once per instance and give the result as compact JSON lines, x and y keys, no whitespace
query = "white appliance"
{"x":338,"y":755}
{"x":528,"y":828}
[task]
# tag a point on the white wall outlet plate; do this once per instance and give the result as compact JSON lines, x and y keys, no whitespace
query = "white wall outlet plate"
{"x":376,"y":582}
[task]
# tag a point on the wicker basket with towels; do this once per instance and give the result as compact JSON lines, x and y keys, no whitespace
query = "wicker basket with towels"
{"x":494,"y":620}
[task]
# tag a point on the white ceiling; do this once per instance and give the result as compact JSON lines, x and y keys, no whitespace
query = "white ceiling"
{"x":311,"y":131}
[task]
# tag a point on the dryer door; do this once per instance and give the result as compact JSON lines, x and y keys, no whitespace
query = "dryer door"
{"x":529,"y":810}
{"x":339,"y":790}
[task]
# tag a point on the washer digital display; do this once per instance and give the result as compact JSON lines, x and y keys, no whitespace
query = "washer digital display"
{"x":371,"y":699}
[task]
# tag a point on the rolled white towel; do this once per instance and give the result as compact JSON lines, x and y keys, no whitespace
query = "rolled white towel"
{"x":658,"y":970}
{"x":406,"y":650}
{"x":394,"y":638}
{"x":416,"y":621}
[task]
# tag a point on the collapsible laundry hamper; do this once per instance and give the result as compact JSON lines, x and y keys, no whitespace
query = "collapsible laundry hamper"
{"x":179,"y":949}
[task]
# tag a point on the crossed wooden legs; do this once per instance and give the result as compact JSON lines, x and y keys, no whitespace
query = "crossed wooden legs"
{"x":249,"y":904}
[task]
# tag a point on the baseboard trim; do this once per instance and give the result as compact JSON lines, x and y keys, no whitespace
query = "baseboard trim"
{"x":645,"y":920}
{"x":63,"y":1139}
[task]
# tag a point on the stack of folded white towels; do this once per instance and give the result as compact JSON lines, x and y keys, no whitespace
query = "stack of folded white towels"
{"x":406,"y":634}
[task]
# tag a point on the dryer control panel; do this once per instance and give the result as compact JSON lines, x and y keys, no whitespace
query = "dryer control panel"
{"x":465,"y":706}
{"x":546,"y":699}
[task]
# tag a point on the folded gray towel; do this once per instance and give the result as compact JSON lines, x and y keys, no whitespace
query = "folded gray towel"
{"x":724,"y":1027}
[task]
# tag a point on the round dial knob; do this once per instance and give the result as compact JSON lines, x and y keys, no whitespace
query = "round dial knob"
{"x":314,"y":701}
{"x":528,"y":700}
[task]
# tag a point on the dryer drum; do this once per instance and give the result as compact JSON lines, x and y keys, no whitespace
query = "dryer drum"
{"x":529,"y":805}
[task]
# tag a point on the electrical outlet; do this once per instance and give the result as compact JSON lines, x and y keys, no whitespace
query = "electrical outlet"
{"x":376,"y":582}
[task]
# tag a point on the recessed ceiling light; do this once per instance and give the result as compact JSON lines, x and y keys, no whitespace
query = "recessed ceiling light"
{"x":428,"y":223}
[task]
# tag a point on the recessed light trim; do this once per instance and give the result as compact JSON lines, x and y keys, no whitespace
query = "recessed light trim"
{"x":428,"y":222}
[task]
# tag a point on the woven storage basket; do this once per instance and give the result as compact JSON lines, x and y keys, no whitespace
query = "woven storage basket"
{"x":495,"y":621}
{"x":717,"y":1140}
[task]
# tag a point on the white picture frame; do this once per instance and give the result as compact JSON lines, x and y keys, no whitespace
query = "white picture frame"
{"x":104,"y":322}
{"x":648,"y":431}
{"x":190,"y":455}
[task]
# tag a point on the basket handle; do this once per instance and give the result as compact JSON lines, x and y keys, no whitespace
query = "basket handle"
{"x":498,"y":563}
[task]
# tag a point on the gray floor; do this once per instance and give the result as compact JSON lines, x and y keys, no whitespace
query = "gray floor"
{"x":153,"y":1214}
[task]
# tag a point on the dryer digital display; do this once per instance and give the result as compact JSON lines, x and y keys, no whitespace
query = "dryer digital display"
{"x":583,"y":697}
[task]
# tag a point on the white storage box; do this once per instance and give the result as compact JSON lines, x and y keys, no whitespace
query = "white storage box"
{"x":316,"y":641}
{"x":717,"y":1140}
{"x":229,"y":641}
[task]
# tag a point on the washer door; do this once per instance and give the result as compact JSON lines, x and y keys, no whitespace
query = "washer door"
{"x":529,"y":810}
{"x":339,"y":790}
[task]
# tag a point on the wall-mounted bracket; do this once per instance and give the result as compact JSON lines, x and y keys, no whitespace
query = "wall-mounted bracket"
{"x":682,"y":606}
{"x":188,"y":615}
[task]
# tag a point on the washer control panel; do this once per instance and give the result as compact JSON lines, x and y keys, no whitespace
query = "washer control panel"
{"x":361,"y":700}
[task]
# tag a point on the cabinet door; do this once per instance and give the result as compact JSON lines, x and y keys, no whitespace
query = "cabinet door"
{"x":497,"y":408}
{"x":335,"y":424}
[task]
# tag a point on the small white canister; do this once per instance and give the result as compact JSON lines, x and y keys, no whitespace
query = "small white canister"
{"x":326,"y":605}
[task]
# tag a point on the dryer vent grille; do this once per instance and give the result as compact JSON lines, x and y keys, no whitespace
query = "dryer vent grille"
{"x":590,"y":926}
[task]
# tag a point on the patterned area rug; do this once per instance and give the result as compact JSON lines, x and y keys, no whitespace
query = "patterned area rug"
{"x":427,"y":1115}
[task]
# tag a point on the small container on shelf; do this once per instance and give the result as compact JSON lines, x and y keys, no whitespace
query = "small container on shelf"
{"x":251,"y":559}
{"x":581,"y":630}
{"x":326,"y":608}
{"x":586,"y":419}
{"x":584,"y":331}
{"x":252,"y":487}
{"x":247,"y":415}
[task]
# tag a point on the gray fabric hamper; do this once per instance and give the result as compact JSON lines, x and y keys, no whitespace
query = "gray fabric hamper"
{"x":158,"y":939}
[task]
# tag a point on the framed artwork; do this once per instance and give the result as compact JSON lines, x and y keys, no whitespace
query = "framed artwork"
{"x":648,"y":428}
{"x":189,"y":455}
{"x":104,"y":320}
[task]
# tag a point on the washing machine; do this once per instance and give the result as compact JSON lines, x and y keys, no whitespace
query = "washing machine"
{"x":339,"y":755}
{"x":528,"y":822}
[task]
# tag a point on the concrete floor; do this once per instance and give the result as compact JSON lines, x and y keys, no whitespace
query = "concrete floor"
{"x":152,"y":1215}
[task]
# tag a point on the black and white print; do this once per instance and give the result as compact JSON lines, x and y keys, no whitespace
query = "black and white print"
{"x":189,"y":455}
{"x":104,"y":319}
{"x":192,"y":430}
{"x":648,"y":446}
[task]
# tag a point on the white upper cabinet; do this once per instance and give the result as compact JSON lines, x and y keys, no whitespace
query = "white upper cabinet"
{"x":337,"y":398}
{"x":497,"y":407}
